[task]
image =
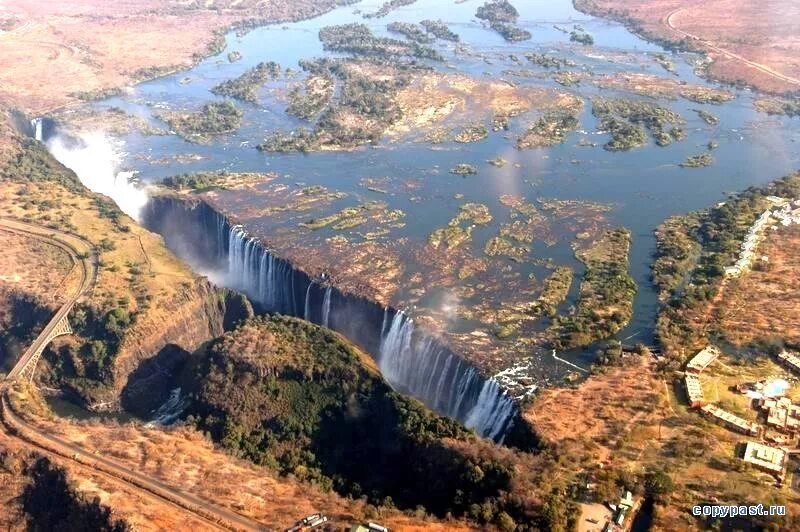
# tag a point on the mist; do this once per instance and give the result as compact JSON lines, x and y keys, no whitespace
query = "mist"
{"x":97,"y":160}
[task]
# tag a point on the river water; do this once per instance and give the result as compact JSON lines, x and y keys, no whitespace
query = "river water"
{"x":643,"y":186}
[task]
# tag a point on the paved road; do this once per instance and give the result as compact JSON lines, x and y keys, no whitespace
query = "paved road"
{"x":214,"y":515}
{"x":87,"y":267}
{"x":758,"y":66}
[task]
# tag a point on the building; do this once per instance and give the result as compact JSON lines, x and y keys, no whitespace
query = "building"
{"x":694,"y":390}
{"x":782,"y":415}
{"x":764,"y":457}
{"x":703,"y":359}
{"x":730,"y":421}
{"x":789,"y":360}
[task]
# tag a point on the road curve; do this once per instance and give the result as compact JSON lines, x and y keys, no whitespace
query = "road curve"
{"x":214,"y":515}
{"x":88,"y":268}
{"x":758,"y":66}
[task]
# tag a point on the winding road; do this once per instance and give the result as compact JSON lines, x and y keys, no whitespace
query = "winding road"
{"x":669,"y":20}
{"x":216,"y":516}
{"x":84,"y":258}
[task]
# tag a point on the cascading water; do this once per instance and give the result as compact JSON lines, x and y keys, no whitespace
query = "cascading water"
{"x":171,"y":410}
{"x":37,"y":125}
{"x":326,"y":307}
{"x":95,"y":159}
{"x":422,"y":367}
{"x":412,"y":362}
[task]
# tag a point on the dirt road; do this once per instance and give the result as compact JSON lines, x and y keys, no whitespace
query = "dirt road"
{"x":669,"y":21}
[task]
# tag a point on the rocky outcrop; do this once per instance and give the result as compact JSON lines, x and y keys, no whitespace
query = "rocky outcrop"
{"x":153,"y":348}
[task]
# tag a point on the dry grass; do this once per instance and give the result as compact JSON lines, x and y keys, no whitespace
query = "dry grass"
{"x":36,"y":268}
{"x":603,"y":409}
{"x":660,"y":87}
{"x":139,"y":273}
{"x":185,"y":458}
{"x":57,"y":49}
{"x":143,"y":512}
{"x":433,"y":98}
{"x":629,"y":419}
{"x":766,"y":303}
{"x":732,"y":32}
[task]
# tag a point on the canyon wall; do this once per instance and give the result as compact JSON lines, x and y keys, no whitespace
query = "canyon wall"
{"x":412,"y":361}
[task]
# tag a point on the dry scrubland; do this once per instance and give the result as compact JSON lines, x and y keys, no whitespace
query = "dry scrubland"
{"x":185,"y":458}
{"x":141,"y":511}
{"x":620,"y":424}
{"x":158,"y":295}
{"x":766,"y":301}
{"x":35,"y":268}
{"x":751,"y":41}
{"x":433,"y":98}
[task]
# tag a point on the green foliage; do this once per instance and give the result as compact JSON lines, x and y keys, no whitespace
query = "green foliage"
{"x":693,"y":251}
{"x":581,"y":37}
{"x":411,"y":32}
{"x":658,"y":483}
{"x":297,"y":397}
{"x":698,"y":161}
{"x":501,"y":16}
{"x":389,"y":6}
{"x":439,"y":29}
{"x":498,"y":11}
{"x":626,"y":120}
{"x":33,"y":164}
{"x":361,"y":95}
{"x":196,"y":181}
{"x":605,"y":302}
{"x":102,"y":332}
{"x":358,"y":39}
{"x":215,"y":118}
{"x":246,"y":86}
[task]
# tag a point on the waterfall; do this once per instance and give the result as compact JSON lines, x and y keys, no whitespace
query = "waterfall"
{"x":37,"y":126}
{"x":96,"y":159}
{"x":170,"y":410}
{"x":411,"y":361}
{"x":326,"y":307}
{"x":307,"y":307}
{"x":421,"y":366}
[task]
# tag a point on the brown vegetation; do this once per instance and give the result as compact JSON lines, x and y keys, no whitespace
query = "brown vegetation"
{"x":752,"y":42}
{"x":765,"y":302}
{"x":625,"y":425}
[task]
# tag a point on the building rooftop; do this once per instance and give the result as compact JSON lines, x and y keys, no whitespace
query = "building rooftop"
{"x":702,"y":359}
{"x":790,"y":359}
{"x":764,"y":456}
{"x":694,"y":389}
{"x":734,"y":421}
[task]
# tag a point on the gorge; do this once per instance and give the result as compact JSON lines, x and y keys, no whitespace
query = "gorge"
{"x":411,"y":361}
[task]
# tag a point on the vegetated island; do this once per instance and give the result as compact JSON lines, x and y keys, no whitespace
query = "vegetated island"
{"x":246,"y":86}
{"x":215,"y":118}
{"x":502,"y":18}
{"x":626,"y":121}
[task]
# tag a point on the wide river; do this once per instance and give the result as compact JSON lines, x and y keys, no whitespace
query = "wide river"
{"x":644,"y":186}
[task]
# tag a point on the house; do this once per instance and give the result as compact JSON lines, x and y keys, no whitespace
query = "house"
{"x":703,"y":359}
{"x":790,"y":360}
{"x":765,"y":458}
{"x":694,"y":390}
{"x":730,"y":421}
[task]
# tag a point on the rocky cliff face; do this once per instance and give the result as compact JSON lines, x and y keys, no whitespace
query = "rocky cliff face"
{"x":157,"y":345}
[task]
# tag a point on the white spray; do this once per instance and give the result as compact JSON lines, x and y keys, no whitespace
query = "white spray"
{"x":96,"y":161}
